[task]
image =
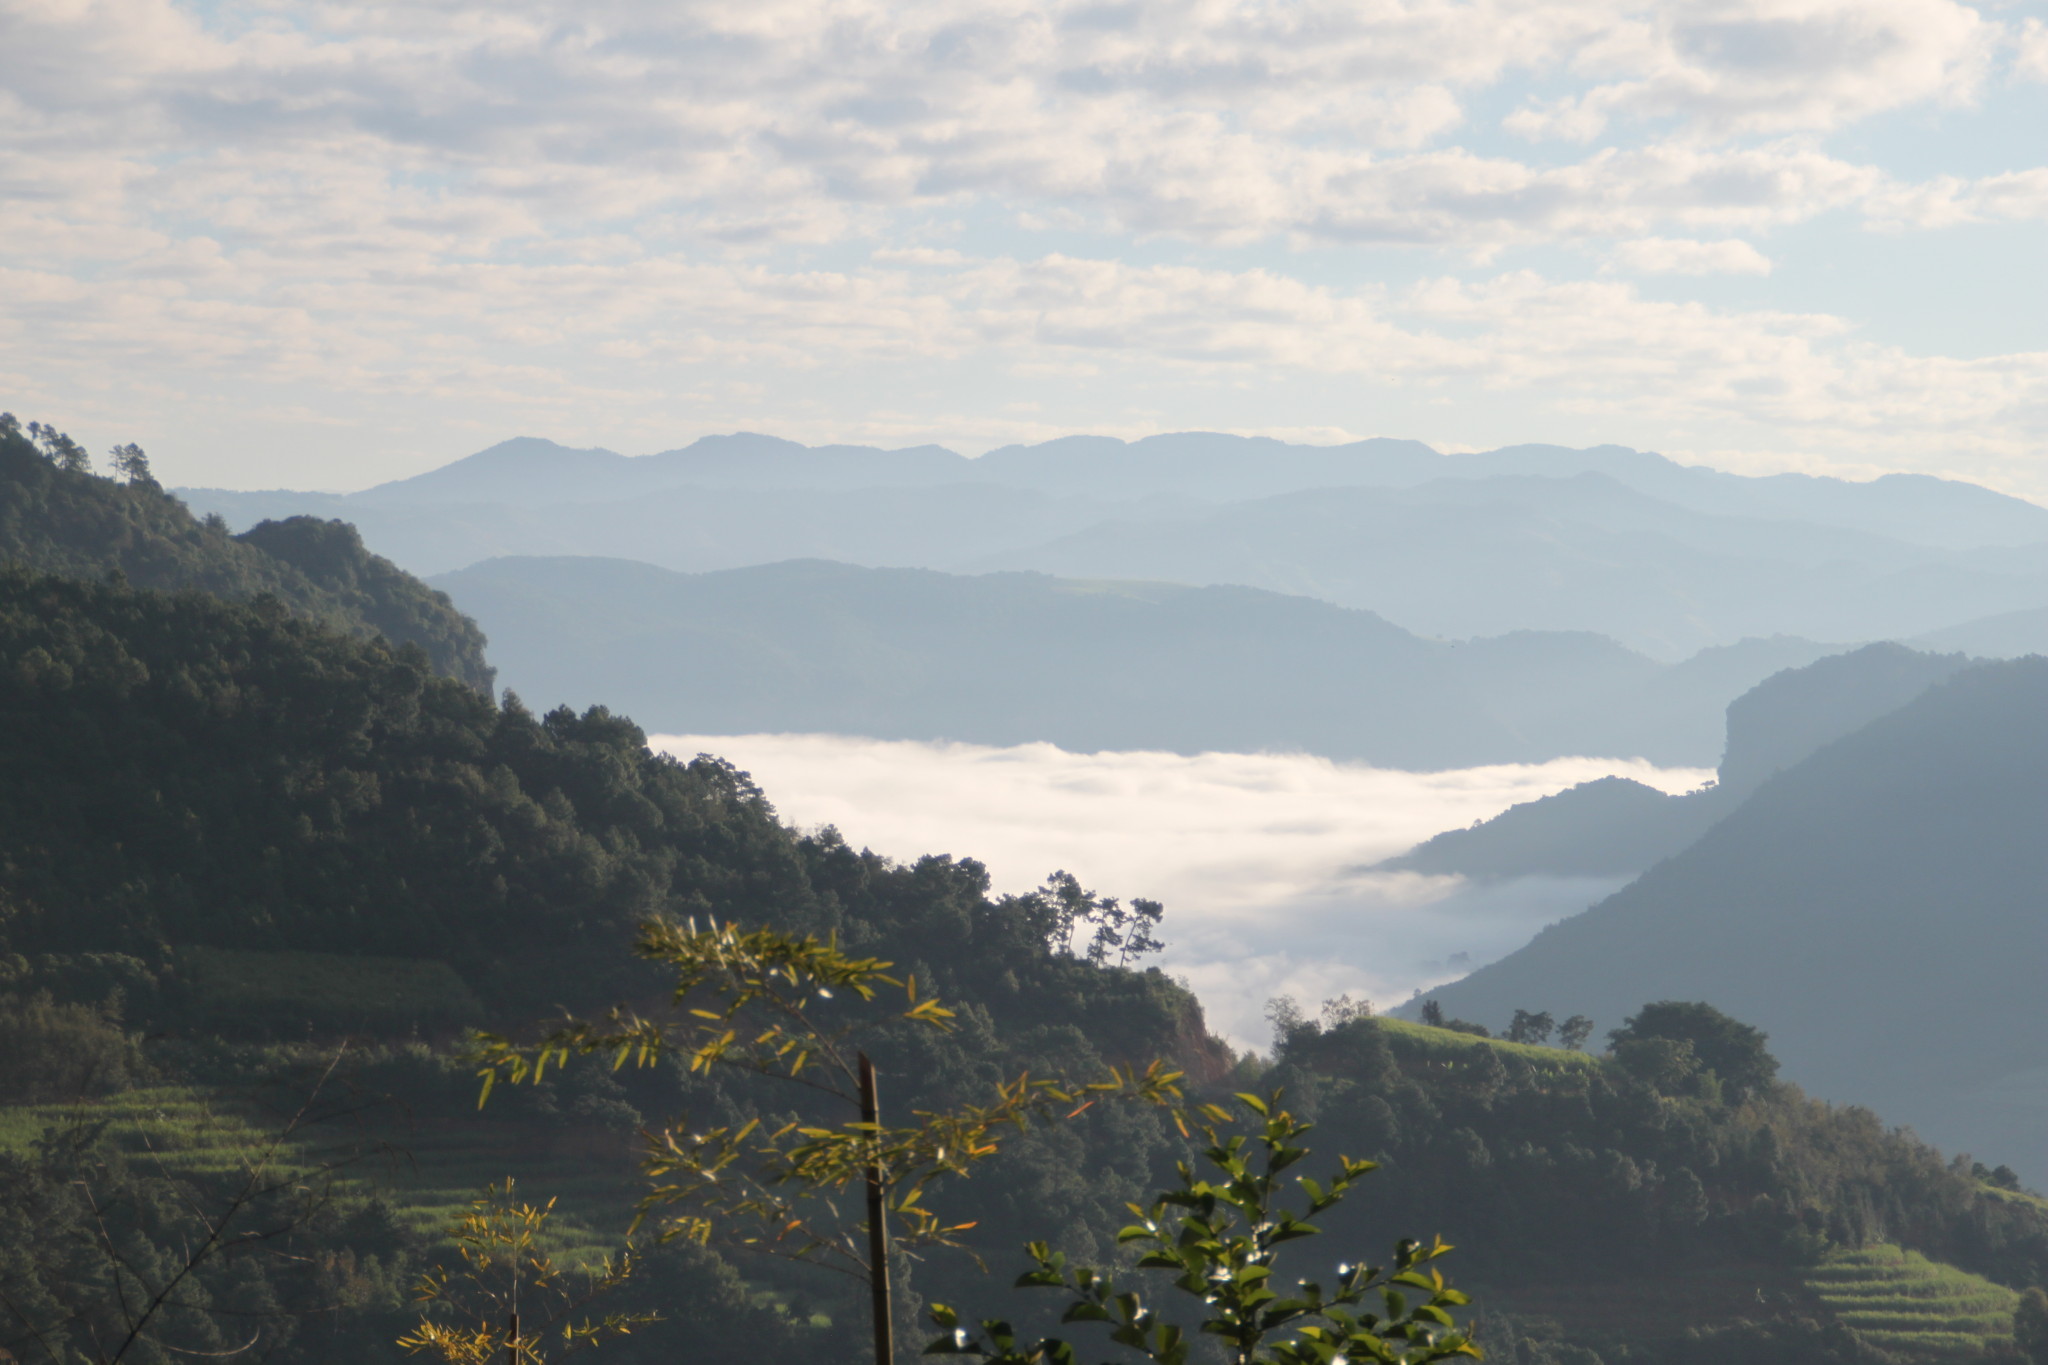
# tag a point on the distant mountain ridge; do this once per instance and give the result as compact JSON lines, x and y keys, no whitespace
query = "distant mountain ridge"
{"x":1665,"y":558}
{"x":1017,"y":657}
{"x":1210,"y":466}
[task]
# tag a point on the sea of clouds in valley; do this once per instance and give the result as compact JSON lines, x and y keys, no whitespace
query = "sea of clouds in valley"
{"x":1259,"y":858}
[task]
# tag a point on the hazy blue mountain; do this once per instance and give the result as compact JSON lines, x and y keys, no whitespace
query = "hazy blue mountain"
{"x":2008,"y":635}
{"x":1015,"y":657}
{"x":527,"y":471}
{"x":1607,"y":828}
{"x":1616,"y":827}
{"x":1877,"y":908}
{"x":1667,"y":559}
{"x":697,"y":528}
{"x":1476,"y":557}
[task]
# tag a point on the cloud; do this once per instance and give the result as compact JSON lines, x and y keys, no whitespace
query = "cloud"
{"x":1254,"y":855}
{"x":2030,"y":50}
{"x":462,"y":128}
{"x":1769,"y":66}
{"x":1682,"y":256}
{"x":642,"y":217}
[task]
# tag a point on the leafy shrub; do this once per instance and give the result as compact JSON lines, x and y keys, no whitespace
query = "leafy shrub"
{"x":51,"y":1051}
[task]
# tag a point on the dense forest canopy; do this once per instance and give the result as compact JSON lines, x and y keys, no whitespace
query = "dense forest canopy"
{"x":56,"y":515}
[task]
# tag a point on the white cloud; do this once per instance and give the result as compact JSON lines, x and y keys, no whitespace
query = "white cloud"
{"x":536,"y":216}
{"x":1682,"y":256}
{"x":2030,"y":49}
{"x":1769,"y":66}
{"x":1948,"y":200}
{"x":1255,"y":856}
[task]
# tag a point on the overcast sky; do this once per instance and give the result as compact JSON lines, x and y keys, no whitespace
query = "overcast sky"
{"x":314,"y":245}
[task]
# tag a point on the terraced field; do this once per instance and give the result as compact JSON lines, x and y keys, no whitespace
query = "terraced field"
{"x":429,"y":1173}
{"x":1906,"y":1304}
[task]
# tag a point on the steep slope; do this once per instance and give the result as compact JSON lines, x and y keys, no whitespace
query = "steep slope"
{"x":1010,"y":658}
{"x":74,"y":523}
{"x":1616,"y":826}
{"x":1876,"y":908}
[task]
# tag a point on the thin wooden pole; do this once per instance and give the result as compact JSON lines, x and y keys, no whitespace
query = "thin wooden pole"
{"x":878,"y":1228}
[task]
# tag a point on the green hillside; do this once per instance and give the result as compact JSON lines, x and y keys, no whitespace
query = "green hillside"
{"x":58,"y":517}
{"x":1901,"y":862}
{"x":238,"y":849}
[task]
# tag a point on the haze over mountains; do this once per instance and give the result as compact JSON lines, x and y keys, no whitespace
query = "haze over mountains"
{"x":1014,"y":658}
{"x":1877,"y":908}
{"x":1663,"y":558}
{"x":1617,"y":826}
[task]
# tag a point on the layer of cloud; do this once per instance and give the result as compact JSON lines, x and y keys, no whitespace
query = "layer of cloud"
{"x":1683,"y":256}
{"x":1256,"y":856}
{"x":532,"y":217}
{"x":450,"y":129}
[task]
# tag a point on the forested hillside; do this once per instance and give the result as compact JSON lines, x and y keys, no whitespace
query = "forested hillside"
{"x":249,"y":836}
{"x":233,"y":826}
{"x":57,"y":516}
{"x":1876,"y":907}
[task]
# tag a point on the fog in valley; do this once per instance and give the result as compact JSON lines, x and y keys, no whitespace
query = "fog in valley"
{"x":1260,"y":859}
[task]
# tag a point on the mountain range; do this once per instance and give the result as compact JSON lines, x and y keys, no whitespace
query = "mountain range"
{"x":1011,"y":658}
{"x":1665,"y":558}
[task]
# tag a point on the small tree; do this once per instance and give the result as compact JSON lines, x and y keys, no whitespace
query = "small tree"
{"x":1343,"y":1009}
{"x":131,"y":464}
{"x":506,"y":1273}
{"x":1531,"y":1028}
{"x":791,"y":1009}
{"x":1573,"y":1032}
{"x":1220,"y":1240}
{"x":2030,"y":1326}
{"x":60,"y":449}
{"x":1062,"y":908}
{"x":1732,"y":1050}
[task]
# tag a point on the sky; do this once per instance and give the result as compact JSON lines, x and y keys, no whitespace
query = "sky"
{"x":321,"y":245}
{"x":1260,"y":859}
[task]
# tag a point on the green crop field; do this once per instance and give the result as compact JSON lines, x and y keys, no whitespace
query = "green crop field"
{"x":1424,"y":1043}
{"x":1906,"y":1304}
{"x":428,"y":1172}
